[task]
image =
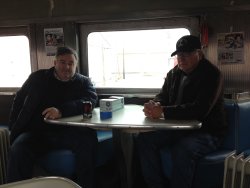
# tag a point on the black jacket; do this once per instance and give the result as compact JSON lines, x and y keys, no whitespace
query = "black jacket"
{"x":202,"y":97}
{"x":42,"y":90}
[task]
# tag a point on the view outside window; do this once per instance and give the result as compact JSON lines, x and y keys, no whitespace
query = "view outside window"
{"x":132,"y":59}
{"x":15,"y":61}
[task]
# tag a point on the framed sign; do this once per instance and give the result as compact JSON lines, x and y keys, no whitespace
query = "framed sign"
{"x":231,"y":47}
{"x":53,"y":37}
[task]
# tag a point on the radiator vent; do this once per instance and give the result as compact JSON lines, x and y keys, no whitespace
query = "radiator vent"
{"x":237,"y":171}
{"x":228,"y":170}
{"x":4,"y":147}
{"x":245,"y":181}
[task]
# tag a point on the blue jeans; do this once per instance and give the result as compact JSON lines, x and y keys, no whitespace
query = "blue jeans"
{"x":186,"y":148}
{"x":28,"y":147}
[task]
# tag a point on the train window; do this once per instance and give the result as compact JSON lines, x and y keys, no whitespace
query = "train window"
{"x":132,"y":59}
{"x":15,"y":60}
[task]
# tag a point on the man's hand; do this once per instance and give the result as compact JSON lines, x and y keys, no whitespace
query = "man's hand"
{"x":153,"y":110}
{"x":51,"y":113}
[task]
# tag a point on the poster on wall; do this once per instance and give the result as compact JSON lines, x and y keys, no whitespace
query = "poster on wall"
{"x":53,"y":38}
{"x":231,"y":48}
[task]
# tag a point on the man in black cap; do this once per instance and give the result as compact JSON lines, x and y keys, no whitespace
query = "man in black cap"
{"x":193,"y":89}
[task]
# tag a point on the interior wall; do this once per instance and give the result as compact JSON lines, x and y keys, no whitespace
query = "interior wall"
{"x":236,"y":75}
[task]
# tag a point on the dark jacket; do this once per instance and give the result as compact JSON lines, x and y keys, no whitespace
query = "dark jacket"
{"x":42,"y":90}
{"x":202,"y":97}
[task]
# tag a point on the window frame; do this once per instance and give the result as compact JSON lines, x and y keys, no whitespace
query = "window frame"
{"x":190,"y":23}
{"x":15,"y":31}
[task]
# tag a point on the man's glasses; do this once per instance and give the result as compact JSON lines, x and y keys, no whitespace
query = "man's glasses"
{"x":185,"y":54}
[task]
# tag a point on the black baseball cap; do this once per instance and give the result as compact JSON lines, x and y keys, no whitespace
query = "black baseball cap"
{"x":187,"y":43}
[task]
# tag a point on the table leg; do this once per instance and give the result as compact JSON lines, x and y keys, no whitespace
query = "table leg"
{"x":124,"y":145}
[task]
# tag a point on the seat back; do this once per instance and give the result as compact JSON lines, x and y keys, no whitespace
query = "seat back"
{"x":243,"y":131}
{"x":236,"y":138}
{"x":238,"y":119}
{"x":231,"y":109}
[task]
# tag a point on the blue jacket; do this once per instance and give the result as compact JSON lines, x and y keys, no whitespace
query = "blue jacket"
{"x":42,"y":90}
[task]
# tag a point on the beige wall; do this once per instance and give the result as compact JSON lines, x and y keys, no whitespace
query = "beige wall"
{"x":237,"y":76}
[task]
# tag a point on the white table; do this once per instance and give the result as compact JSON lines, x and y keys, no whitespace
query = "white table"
{"x":130,"y":119}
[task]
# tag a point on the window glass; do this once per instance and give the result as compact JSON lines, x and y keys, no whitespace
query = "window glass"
{"x":15,"y":61}
{"x":132,"y":59}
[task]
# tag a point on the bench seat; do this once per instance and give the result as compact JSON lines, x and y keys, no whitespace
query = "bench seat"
{"x":210,"y":169}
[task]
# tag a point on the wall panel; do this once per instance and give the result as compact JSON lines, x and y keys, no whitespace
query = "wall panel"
{"x":237,"y":76}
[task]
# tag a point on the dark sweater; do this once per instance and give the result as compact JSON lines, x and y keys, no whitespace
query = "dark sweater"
{"x":42,"y":90}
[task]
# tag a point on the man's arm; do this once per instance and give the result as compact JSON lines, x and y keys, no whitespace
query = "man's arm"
{"x":74,"y":107}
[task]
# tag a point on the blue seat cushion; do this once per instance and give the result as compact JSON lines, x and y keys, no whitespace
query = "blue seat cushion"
{"x":105,"y":147}
{"x":207,"y":164}
{"x":104,"y":135}
{"x":4,"y":126}
{"x":59,"y":163}
{"x":62,"y":162}
{"x":215,"y":157}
